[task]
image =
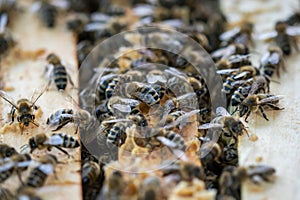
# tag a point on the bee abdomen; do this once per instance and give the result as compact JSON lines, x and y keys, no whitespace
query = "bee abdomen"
{"x":5,"y":175}
{"x":148,"y":95}
{"x":60,"y":77}
{"x":36,"y":178}
{"x":90,"y":172}
{"x":68,"y":141}
{"x":111,"y":88}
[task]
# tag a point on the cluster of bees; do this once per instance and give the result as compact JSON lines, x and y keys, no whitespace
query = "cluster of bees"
{"x":156,"y":94}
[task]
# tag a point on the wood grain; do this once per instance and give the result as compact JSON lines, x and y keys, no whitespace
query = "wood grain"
{"x":22,"y":74}
{"x":278,"y":139}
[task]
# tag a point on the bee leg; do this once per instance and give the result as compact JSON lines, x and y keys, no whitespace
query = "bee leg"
{"x":248,"y":114}
{"x":71,"y":82}
{"x":263,"y":112}
{"x":19,"y":177}
{"x":62,"y":125}
{"x":274,"y":107}
{"x":12,"y":112}
{"x":62,"y":150}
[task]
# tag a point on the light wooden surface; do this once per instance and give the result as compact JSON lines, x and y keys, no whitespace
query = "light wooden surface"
{"x":21,"y":76}
{"x":278,"y":140}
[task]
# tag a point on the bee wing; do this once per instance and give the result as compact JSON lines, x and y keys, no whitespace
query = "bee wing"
{"x":265,"y":59}
{"x":7,"y":166}
{"x":274,"y":58}
{"x":221,"y":111}
{"x":122,"y":108}
{"x":182,"y":119}
{"x":7,"y":98}
{"x":95,"y":26}
{"x":223,"y":52}
{"x":271,"y":99}
{"x":242,"y":74}
{"x":143,"y":10}
{"x":166,"y":141}
{"x":35,"y":6}
{"x":226,"y":71}
{"x":229,"y":34}
{"x":267,"y":35}
{"x":36,"y":95}
{"x":293,"y":30}
{"x":239,"y":82}
{"x":61,"y":4}
{"x":3,"y":22}
{"x":47,"y":168}
{"x":175,"y":72}
{"x":153,"y":78}
{"x":209,"y":126}
{"x":237,"y":58}
{"x":116,"y":121}
{"x":24,"y":163}
{"x":54,"y":140}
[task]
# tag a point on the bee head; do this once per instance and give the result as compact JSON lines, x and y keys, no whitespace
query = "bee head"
{"x":53,"y":59}
{"x":32,"y":144}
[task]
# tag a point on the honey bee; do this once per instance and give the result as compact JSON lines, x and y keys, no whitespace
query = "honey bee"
{"x":230,"y":182}
{"x":62,"y":117}
{"x":173,"y":141}
{"x":7,"y":151}
{"x":47,"y":14}
{"x":115,"y":185}
{"x":232,"y":49}
{"x":240,"y":94}
{"x":255,"y":85}
{"x":284,"y":36}
{"x":272,"y":61}
{"x":57,"y":72}
{"x":230,"y":154}
{"x":39,"y":174}
{"x":186,"y":170}
{"x":143,"y":92}
{"x":209,"y":152}
{"x":238,"y":35}
{"x":16,"y":164}
{"x":259,"y":173}
{"x":117,"y":134}
{"x":224,"y":128}
{"x":231,"y":84}
{"x":150,"y":189}
{"x":90,"y":172}
{"x":234,"y":61}
{"x":56,"y":140}
{"x":23,"y":109}
{"x":257,"y":102}
{"x":6,"y":39}
{"x":179,"y":119}
{"x":114,"y":130}
{"x":138,"y":119}
{"x":244,"y":72}
{"x":102,"y":85}
{"x":117,"y":105}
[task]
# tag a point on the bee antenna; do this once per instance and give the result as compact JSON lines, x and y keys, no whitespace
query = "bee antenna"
{"x":234,"y":111}
{"x":35,"y":123}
